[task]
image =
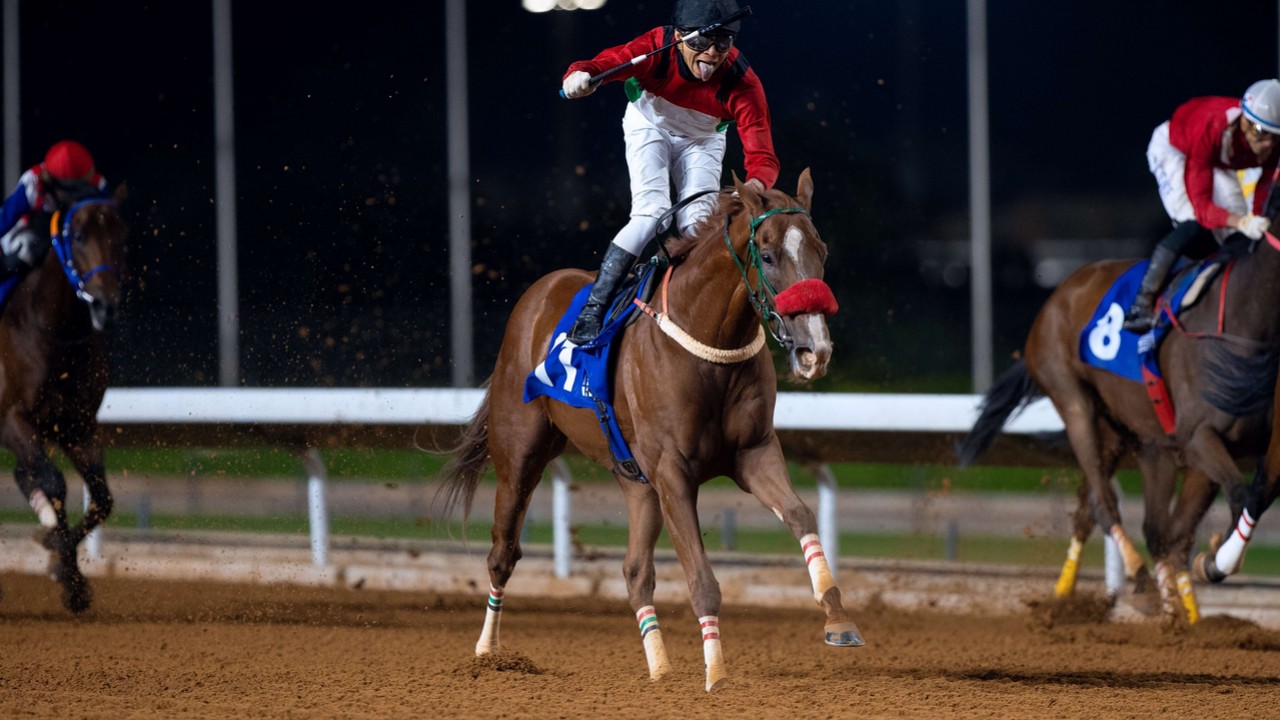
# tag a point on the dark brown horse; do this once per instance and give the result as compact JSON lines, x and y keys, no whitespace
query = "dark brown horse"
{"x":694,"y":395}
{"x":53,"y":374}
{"x":1220,"y":369}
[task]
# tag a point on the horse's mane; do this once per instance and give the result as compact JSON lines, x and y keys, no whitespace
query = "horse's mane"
{"x":709,"y":228}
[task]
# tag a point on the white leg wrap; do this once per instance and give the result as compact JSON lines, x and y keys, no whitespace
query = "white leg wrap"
{"x":492,"y":617}
{"x":819,"y":571}
{"x":43,"y":508}
{"x":1164,"y":576}
{"x":711,"y":650}
{"x":1231,"y":555}
{"x":1132,"y":560}
{"x":655,"y":651}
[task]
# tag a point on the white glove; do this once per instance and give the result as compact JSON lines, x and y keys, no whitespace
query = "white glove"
{"x":578,"y":84}
{"x":1253,"y":226}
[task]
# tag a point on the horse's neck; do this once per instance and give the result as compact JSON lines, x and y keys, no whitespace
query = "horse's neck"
{"x":46,"y":300}
{"x":709,"y":299}
{"x":1253,"y":295}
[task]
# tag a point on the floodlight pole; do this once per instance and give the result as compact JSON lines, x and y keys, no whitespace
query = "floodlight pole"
{"x":12,"y":97}
{"x":224,"y":132}
{"x":455,"y":34}
{"x":979,"y":199}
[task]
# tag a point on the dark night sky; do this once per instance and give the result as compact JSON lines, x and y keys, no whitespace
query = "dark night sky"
{"x":340,"y":122}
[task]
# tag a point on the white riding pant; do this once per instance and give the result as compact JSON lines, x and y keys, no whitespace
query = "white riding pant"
{"x":659,"y":160}
{"x":1169,"y":166}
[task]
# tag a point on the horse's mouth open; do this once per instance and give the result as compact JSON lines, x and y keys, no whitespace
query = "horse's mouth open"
{"x":812,"y":349}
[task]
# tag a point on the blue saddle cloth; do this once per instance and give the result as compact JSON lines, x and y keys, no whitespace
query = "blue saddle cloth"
{"x":581,"y":376}
{"x":1105,"y":344}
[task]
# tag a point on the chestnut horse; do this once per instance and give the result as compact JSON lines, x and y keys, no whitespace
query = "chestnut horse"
{"x":53,"y":374}
{"x":1220,"y":368}
{"x":694,"y":396}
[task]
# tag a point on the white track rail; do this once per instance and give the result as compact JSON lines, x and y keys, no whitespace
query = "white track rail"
{"x":418,"y":407}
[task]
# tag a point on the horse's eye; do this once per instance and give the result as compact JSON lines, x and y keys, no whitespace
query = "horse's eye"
{"x":767,"y":258}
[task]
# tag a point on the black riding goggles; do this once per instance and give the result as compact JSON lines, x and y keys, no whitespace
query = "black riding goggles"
{"x":702,"y":43}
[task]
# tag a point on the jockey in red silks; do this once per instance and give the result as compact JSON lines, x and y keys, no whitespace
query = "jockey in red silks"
{"x":681,"y":101}
{"x":1194,"y":156}
{"x":65,"y":176}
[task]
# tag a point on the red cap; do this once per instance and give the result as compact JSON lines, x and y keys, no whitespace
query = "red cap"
{"x":68,"y":160}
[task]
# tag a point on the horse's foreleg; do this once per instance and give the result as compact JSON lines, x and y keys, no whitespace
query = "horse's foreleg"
{"x":679,"y":497}
{"x":87,"y":458}
{"x":1192,"y":504}
{"x":645,"y":524}
{"x":763,"y":473}
{"x":1206,"y":453}
{"x":46,"y":488}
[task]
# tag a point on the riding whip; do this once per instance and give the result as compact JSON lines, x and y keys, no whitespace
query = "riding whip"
{"x":732,"y":17}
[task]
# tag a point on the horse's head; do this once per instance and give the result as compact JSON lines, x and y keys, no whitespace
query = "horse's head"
{"x":89,"y":244}
{"x":795,"y":301}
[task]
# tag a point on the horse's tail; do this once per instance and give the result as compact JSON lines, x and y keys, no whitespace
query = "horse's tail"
{"x":1013,"y":391}
{"x":469,"y":458}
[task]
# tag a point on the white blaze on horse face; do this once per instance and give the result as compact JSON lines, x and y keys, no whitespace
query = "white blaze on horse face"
{"x":791,"y":244}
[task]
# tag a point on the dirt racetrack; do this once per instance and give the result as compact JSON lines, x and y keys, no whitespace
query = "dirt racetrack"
{"x":167,"y":649}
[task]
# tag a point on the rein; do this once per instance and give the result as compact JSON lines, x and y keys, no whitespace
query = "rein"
{"x":688,"y":342}
{"x":61,"y":236}
{"x":1221,"y":334}
{"x":763,"y":298}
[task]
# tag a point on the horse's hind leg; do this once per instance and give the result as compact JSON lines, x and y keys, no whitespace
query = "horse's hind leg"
{"x":645,"y":524}
{"x":1097,"y":449}
{"x":521,"y":447}
{"x":763,"y":473}
{"x":1082,"y":524}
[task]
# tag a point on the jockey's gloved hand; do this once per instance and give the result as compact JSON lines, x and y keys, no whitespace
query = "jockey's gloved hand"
{"x":1253,"y":226}
{"x":578,"y":84}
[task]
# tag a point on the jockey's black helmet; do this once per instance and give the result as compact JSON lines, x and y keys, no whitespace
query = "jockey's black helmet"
{"x":694,"y":14}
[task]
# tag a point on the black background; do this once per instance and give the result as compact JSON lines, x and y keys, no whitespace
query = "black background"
{"x":341,"y":185}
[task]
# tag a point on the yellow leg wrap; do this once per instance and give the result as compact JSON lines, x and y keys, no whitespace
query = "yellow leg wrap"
{"x":1188,"y":594}
{"x":1070,"y":569}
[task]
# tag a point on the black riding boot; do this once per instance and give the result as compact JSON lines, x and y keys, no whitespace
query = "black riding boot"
{"x":613,"y":268}
{"x":1140,"y":316}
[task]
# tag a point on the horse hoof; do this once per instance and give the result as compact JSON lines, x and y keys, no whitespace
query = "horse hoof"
{"x":76,"y":595}
{"x":77,"y":600}
{"x":1204,"y":569}
{"x":713,"y":686}
{"x":843,"y":635}
{"x":1145,"y":600}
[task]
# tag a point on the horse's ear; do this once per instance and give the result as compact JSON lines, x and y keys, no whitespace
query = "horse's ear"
{"x":750,"y":199}
{"x":804,"y":190}
{"x":121,"y":194}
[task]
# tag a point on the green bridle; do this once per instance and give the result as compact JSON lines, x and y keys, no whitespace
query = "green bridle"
{"x":762,"y":296}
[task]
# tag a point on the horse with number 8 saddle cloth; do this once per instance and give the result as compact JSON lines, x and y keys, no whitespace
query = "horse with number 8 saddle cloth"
{"x":1105,"y":344}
